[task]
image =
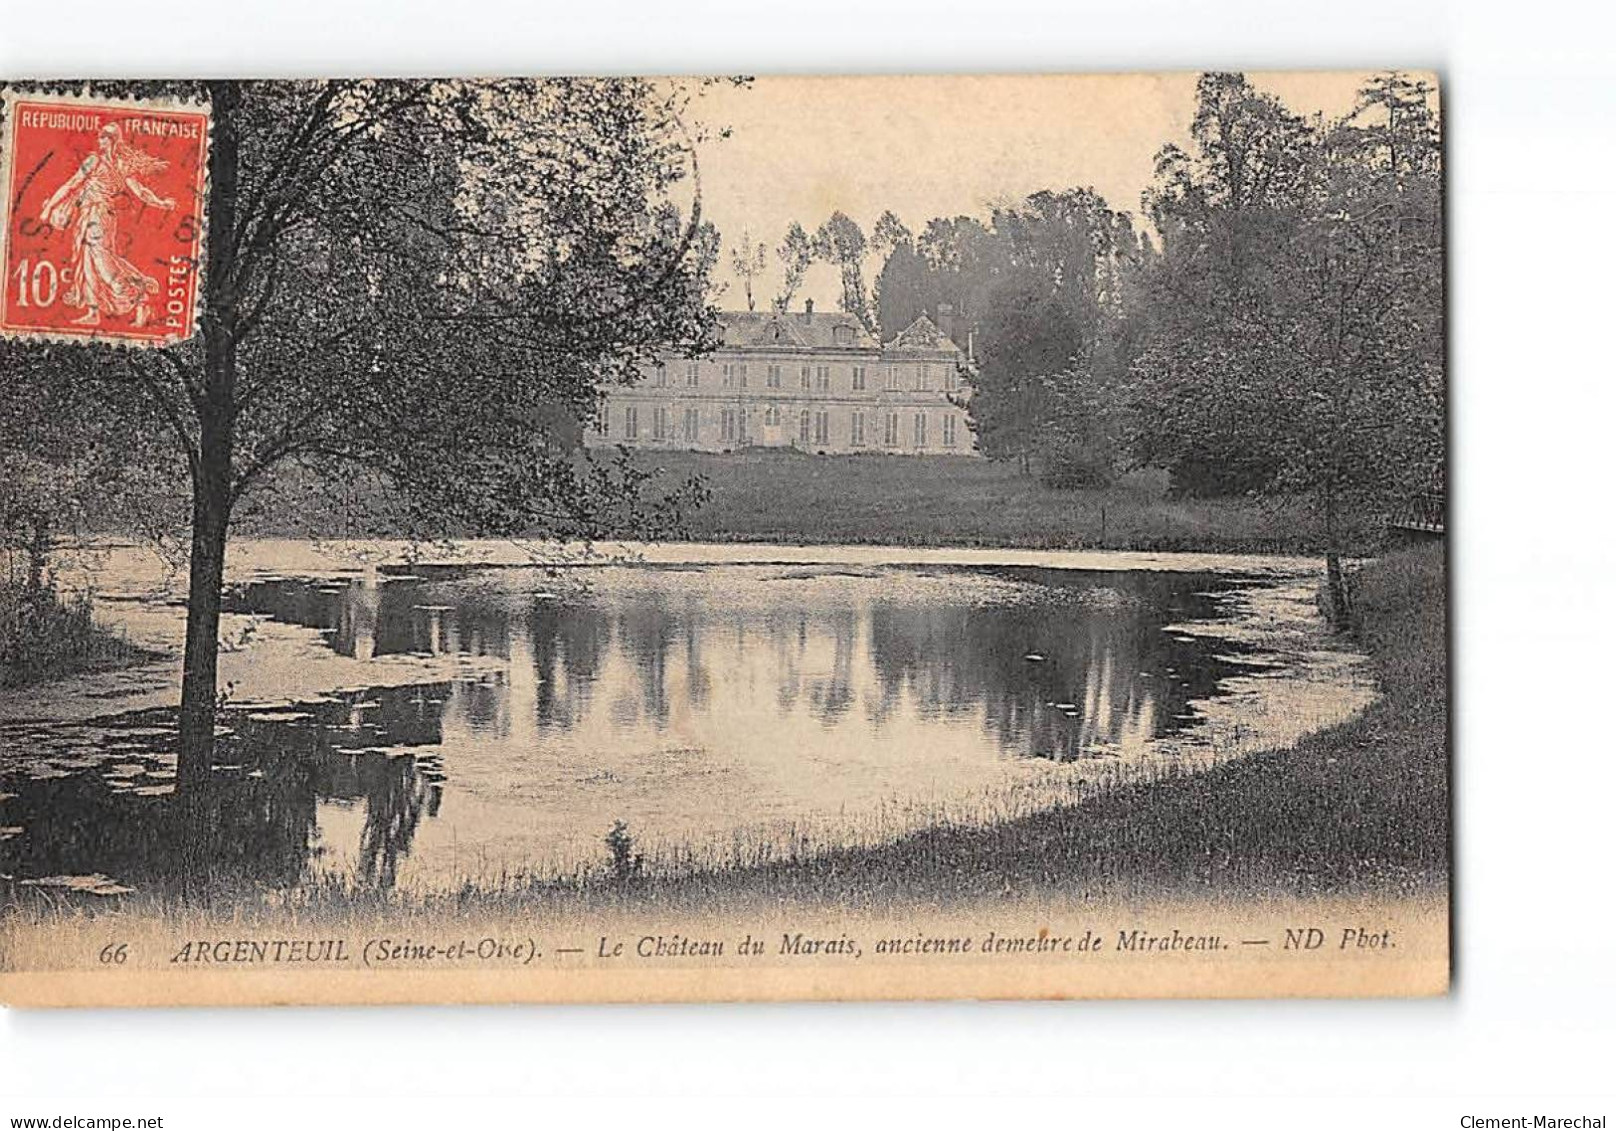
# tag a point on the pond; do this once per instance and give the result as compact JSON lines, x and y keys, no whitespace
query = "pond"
{"x":713,"y":709}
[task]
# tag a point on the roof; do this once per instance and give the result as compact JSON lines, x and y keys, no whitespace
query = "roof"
{"x":922,"y":334}
{"x":794,"y":330}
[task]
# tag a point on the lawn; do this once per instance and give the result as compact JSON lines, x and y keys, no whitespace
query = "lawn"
{"x":783,"y":496}
{"x":793,"y":497}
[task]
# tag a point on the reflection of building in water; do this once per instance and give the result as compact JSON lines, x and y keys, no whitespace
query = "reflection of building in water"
{"x":583,"y":674}
{"x":813,"y":381}
{"x":694,"y":701}
{"x":357,"y":618}
{"x":1087,"y":694}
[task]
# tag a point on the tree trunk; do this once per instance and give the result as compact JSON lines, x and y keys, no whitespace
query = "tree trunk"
{"x":210,"y":519}
{"x":39,"y":548}
{"x":212,"y":479}
{"x":1336,"y":587}
{"x":1335,"y":584}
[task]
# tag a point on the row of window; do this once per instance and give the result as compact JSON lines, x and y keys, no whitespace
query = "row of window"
{"x":812,"y":427}
{"x":735,"y":375}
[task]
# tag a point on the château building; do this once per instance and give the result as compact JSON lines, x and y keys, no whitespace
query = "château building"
{"x":813,"y":381}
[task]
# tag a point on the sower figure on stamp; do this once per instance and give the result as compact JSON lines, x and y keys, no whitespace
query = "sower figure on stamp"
{"x":100,"y":279}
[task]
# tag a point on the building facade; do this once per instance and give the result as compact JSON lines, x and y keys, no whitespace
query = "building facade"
{"x":812,"y":381}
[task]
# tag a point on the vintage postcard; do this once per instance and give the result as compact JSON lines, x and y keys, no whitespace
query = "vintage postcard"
{"x":602,"y":539}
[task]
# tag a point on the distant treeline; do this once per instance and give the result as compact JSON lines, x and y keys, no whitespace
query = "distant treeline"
{"x":1270,"y":324}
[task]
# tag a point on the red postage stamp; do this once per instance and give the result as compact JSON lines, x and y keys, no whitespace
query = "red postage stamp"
{"x":103,"y":218}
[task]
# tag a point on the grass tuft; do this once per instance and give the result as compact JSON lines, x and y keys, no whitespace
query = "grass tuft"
{"x":45,"y":636}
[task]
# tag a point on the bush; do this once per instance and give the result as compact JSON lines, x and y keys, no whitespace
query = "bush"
{"x":1077,"y":467}
{"x":44,"y":636}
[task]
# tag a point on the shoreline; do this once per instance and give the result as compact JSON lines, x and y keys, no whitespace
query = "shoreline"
{"x":989,"y":852}
{"x":142,"y":595}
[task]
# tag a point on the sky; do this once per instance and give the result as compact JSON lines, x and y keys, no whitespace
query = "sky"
{"x":941,"y":145}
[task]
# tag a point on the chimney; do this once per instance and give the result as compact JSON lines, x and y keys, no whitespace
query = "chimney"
{"x":808,"y":309}
{"x":945,"y":320}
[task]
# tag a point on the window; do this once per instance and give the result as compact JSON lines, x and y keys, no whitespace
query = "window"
{"x":892,"y":376}
{"x":693,"y":374}
{"x":726,"y":424}
{"x":606,"y":423}
{"x":843,"y":335}
{"x":806,"y":373}
{"x":858,"y":429}
{"x":631,"y":422}
{"x":920,"y":430}
{"x":822,"y":377}
{"x":949,"y":423}
{"x":771,"y":416}
{"x":822,"y":428}
{"x":729,"y":374}
{"x":892,"y":429}
{"x":802,"y":426}
{"x":950,"y":377}
{"x":858,"y":377}
{"x":925,"y":377}
{"x":659,"y":375}
{"x":661,"y":429}
{"x":741,"y":373}
{"x":774,"y":373}
{"x":740,"y":425}
{"x":692,"y":424}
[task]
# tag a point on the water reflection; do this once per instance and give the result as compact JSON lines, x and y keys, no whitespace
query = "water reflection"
{"x":688,"y":702}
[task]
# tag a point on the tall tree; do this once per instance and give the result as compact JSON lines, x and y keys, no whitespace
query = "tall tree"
{"x":840,"y":241}
{"x":748,"y":260}
{"x":903,"y":290}
{"x":1048,"y":303}
{"x":796,"y":255}
{"x":964,"y":259}
{"x":1297,"y":324}
{"x":889,"y":233}
{"x":424,"y":281}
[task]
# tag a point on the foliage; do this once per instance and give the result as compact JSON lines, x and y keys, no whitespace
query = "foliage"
{"x":796,"y":255}
{"x":1284,"y":337}
{"x":1297,"y":337}
{"x":1045,"y":343}
{"x":71,"y":464}
{"x":748,"y":260}
{"x":840,"y":241}
{"x":626,"y":863}
{"x":425,"y":282}
{"x":1296,"y":344}
{"x":44,"y":636}
{"x":900,"y":290}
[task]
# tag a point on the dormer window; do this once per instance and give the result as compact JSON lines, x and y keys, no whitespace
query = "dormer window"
{"x":842,"y":335}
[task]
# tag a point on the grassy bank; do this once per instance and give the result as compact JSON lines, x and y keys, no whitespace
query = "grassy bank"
{"x":44,"y":636}
{"x":791,"y":497}
{"x":784,"y":496}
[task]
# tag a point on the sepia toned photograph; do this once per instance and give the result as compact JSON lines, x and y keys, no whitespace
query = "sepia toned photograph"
{"x":733,"y":538}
